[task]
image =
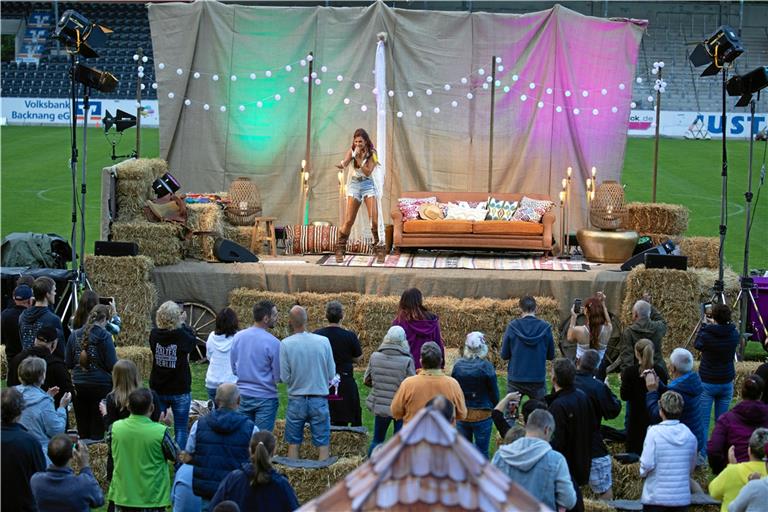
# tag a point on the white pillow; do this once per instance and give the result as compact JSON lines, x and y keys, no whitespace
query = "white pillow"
{"x":456,"y":212}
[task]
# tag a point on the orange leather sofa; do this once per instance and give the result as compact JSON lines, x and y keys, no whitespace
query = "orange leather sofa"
{"x":466,"y":234}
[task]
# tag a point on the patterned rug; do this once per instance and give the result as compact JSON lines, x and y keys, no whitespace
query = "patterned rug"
{"x":473,"y":262}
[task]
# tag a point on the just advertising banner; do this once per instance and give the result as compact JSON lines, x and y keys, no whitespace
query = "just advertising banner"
{"x":694,"y":124}
{"x":51,"y":111}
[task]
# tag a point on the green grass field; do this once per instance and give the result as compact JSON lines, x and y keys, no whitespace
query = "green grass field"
{"x":36,"y":183}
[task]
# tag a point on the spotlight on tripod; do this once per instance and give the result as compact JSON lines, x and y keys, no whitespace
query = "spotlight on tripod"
{"x":79,"y":35}
{"x":120,"y":122}
{"x":747,"y":85}
{"x":717,"y":51}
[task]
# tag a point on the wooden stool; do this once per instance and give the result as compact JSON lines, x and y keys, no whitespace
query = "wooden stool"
{"x":269,"y":232}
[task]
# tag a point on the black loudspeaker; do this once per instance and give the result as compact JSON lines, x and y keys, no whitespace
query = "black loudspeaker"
{"x":643,"y":244}
{"x":639,"y":258}
{"x":104,"y":248}
{"x":666,"y":261}
{"x":228,"y":251}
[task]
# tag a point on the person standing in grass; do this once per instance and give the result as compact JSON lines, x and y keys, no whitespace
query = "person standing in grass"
{"x":389,"y":366}
{"x":477,"y":378}
{"x":217,"y":350}
{"x":255,"y":361}
{"x":40,"y":314}
{"x":717,"y":341}
{"x":171,"y":343}
{"x":346,"y":352}
{"x":420,"y":324}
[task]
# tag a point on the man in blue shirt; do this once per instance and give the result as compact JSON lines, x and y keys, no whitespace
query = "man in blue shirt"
{"x":58,"y":488}
{"x":527,"y":345}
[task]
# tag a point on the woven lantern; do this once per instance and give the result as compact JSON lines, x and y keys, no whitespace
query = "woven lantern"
{"x":607,"y":210}
{"x":245,"y":202}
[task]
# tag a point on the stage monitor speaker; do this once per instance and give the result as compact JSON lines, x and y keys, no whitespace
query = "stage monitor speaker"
{"x":643,"y":244}
{"x":639,"y":258}
{"x":666,"y":261}
{"x":104,"y":248}
{"x":228,"y":251}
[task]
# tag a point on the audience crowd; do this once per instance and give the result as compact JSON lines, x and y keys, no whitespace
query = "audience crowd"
{"x":223,"y":459}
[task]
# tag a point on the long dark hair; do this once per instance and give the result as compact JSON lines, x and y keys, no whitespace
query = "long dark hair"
{"x":88,"y":300}
{"x":226,"y":322}
{"x":98,"y":314}
{"x":411,"y":306}
{"x":593,"y":308}
{"x":371,"y":150}
{"x":262,"y":447}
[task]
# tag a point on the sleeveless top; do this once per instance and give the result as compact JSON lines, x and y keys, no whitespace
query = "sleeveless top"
{"x":603,"y":338}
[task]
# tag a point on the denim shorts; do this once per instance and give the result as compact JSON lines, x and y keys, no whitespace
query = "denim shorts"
{"x":600,"y":479}
{"x":308,"y":409}
{"x":361,"y":189}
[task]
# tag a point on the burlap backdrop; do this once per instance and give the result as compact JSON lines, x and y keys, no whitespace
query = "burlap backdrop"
{"x":581,"y":69}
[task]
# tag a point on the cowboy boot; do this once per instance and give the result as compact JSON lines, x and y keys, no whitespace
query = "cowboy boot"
{"x":341,"y":247}
{"x":378,"y":249}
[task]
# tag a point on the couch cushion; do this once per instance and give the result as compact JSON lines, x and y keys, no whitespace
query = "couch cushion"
{"x":437,"y":226}
{"x":506,"y":227}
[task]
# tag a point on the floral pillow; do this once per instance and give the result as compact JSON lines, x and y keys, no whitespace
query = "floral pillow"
{"x":532,"y":210}
{"x":456,"y":212}
{"x":498,"y":209}
{"x":409,"y":206}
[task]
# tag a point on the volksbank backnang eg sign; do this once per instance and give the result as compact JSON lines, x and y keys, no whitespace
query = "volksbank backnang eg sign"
{"x":50,"y":111}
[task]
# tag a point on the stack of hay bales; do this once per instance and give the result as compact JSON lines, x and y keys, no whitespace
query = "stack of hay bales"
{"x":127,"y":279}
{"x":702,"y":251}
{"x":159,"y":241}
{"x":657,"y":220}
{"x":134,"y":186}
{"x":370,"y":316}
{"x":310,"y":483}
{"x":627,"y":484}
{"x":242,"y":235}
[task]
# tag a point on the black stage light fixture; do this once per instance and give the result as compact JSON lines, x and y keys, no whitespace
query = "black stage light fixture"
{"x":718,"y":49}
{"x":165,"y":184}
{"x":746,"y":85}
{"x":79,"y":34}
{"x":122,"y":121}
{"x":103,"y":81}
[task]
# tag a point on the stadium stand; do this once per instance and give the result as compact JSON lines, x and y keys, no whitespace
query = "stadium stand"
{"x":674,"y":29}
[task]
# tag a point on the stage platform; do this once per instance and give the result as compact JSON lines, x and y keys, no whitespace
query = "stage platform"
{"x":210,"y":283}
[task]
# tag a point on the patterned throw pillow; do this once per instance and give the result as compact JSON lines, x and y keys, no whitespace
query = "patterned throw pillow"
{"x":498,"y":209}
{"x":532,"y":210}
{"x":306,"y":239}
{"x":456,"y":212}
{"x":409,"y":206}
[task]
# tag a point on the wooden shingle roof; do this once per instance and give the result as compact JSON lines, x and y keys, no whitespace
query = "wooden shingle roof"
{"x":427,"y":466}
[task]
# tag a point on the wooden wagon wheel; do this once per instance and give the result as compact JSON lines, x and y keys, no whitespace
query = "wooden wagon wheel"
{"x":202,"y":320}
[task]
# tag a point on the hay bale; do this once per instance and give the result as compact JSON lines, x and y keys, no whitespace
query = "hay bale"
{"x":311,"y":483}
{"x":205,"y":217}
{"x":706,"y":277}
{"x":373,"y":318}
{"x":160,"y":241}
{"x":646,"y":218}
{"x":97,"y":453}
{"x":627,"y":484}
{"x":743,"y":370}
{"x":242,"y":235}
{"x":675,"y":293}
{"x":3,"y":363}
{"x":591,"y":505}
{"x":315,"y":304}
{"x":451,"y":356}
{"x":702,"y":251}
{"x":141,"y":357}
{"x":127,"y":279}
{"x":344,"y":443}
{"x":134,"y":186}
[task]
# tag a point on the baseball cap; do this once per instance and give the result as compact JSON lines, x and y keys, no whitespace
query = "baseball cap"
{"x":47,"y":333}
{"x":22,"y":292}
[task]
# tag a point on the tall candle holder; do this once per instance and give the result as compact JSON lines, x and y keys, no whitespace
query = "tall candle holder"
{"x":565,"y":199}
{"x":340,"y":176}
{"x":303,"y":193}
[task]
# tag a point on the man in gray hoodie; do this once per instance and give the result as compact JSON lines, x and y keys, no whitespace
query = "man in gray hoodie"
{"x":532,"y":463}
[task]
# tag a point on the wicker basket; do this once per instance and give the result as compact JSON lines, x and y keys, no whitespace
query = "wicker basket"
{"x":245,"y":202}
{"x":607,"y":211}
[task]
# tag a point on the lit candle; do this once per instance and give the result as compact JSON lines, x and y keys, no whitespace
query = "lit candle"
{"x":562,"y":197}
{"x":570,"y":170}
{"x":594,"y":171}
{"x":589,"y":183}
{"x":306,"y":176}
{"x":303,"y":164}
{"x":564,"y":183}
{"x":592,"y":196}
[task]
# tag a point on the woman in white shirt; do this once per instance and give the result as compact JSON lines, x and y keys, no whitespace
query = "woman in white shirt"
{"x":596,"y":332}
{"x":217,"y":348}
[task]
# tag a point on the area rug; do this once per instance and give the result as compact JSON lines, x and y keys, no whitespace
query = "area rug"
{"x":470,"y":262}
